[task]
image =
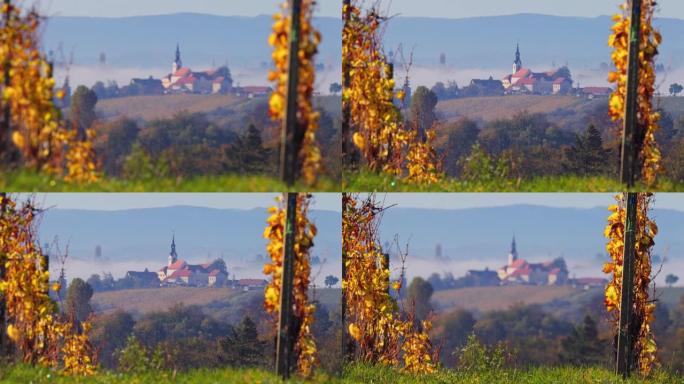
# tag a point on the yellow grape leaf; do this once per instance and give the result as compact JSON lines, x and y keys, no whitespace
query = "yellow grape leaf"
{"x":358,"y":140}
{"x":354,"y":331}
{"x":13,"y":332}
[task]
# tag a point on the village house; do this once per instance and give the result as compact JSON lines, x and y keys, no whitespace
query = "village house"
{"x":483,"y":278}
{"x":587,"y":283}
{"x":145,"y":279}
{"x":252,"y":92}
{"x":595,"y":92}
{"x":249,"y":284}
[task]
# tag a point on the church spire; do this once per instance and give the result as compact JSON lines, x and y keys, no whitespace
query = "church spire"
{"x":517,"y":64}
{"x":513,"y":255}
{"x":177,"y":63}
{"x":173,"y":256}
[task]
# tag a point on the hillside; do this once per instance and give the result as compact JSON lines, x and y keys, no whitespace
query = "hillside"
{"x":485,"y":299}
{"x":224,"y":303}
{"x":223,"y":109}
{"x":564,"y":302}
{"x":501,"y":107}
{"x":157,"y":107}
{"x":563,"y":110}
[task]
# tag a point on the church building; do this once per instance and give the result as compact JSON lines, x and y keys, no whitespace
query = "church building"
{"x":525,"y":81}
{"x":184,"y":80}
{"x":519,"y":271}
{"x":178,"y":272}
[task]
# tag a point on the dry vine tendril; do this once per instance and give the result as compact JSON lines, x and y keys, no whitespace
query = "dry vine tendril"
{"x":650,"y":157}
{"x":646,"y":229}
{"x":385,"y":142}
{"x":309,"y":154}
{"x":305,"y":231}
{"x":374,"y":321}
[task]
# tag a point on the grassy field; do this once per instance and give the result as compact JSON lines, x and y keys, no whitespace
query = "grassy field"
{"x":565,"y":108}
{"x":142,"y":301}
{"x":485,"y":299}
{"x":164,"y":106}
{"x":221,"y":303}
{"x":371,"y":182}
{"x":33,"y":182}
{"x":354,"y":374}
{"x":503,"y":107}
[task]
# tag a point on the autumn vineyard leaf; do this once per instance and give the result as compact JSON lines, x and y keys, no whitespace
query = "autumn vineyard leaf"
{"x":310,"y":38}
{"x":644,"y":308}
{"x":648,"y":117}
{"x":35,"y":326}
{"x":386,"y":143}
{"x":380,"y":334}
{"x":305,"y":231}
{"x":38,"y":130}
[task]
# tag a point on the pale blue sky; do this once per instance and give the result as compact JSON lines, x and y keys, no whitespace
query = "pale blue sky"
{"x":427,"y":8}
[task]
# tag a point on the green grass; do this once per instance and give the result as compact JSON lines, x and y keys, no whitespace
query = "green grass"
{"x":33,"y":182}
{"x":370,"y":182}
{"x":354,"y":374}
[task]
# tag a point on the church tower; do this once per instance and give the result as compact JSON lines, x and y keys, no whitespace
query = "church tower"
{"x":517,"y":64}
{"x":173,"y":256}
{"x":177,"y":64}
{"x":513,"y":256}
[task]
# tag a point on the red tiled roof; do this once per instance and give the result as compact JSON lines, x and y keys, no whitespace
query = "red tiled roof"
{"x":560,"y":80}
{"x":182,"y":72}
{"x":181,"y":273}
{"x":186,"y":80}
{"x":519,"y":263}
{"x":219,"y":80}
{"x":180,"y":264}
{"x":523,"y":72}
{"x":554,"y":271}
{"x":526,"y":81}
{"x":215,"y":272}
{"x":521,"y":272}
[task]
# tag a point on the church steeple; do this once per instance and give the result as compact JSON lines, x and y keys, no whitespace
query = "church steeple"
{"x":177,"y":63}
{"x":173,"y":256}
{"x":517,"y":64}
{"x":513,"y":256}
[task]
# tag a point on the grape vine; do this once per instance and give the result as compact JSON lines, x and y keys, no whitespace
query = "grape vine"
{"x":305,"y":231}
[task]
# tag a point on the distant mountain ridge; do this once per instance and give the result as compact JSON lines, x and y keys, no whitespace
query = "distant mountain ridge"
{"x":485,"y":233}
{"x":201,"y":233}
{"x":478,"y":42}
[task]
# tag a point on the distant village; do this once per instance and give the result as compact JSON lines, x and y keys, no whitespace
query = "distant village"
{"x":518,"y":271}
{"x":524,"y":81}
{"x":181,"y":80}
{"x":177,"y":272}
